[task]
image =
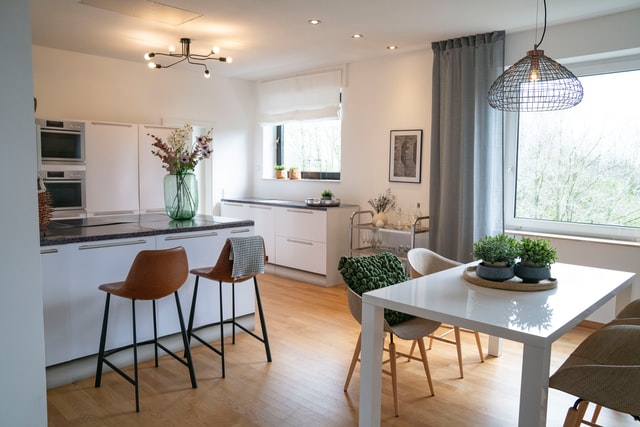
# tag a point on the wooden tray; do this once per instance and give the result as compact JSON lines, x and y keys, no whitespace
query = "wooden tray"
{"x":513,"y":284}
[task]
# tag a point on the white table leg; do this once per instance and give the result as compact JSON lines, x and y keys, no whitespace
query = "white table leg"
{"x":534,"y":386}
{"x":495,"y":346}
{"x":371,"y":365}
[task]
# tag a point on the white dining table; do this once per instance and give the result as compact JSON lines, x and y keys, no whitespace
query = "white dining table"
{"x":534,"y":318}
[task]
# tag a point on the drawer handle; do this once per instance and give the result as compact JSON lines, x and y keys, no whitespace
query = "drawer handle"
{"x":109,"y":245}
{"x":242,"y":230}
{"x":48,"y":251}
{"x":190,"y":236}
{"x":305,"y":211}
{"x":300,"y":242}
{"x":232,"y":204}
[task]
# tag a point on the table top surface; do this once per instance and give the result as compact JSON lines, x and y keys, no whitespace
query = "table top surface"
{"x":535,"y":317}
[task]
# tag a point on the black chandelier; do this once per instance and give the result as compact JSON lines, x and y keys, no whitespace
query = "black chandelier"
{"x":186,"y":55}
{"x":536,"y":83}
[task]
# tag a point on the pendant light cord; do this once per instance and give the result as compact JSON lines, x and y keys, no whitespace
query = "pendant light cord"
{"x":544,"y":29}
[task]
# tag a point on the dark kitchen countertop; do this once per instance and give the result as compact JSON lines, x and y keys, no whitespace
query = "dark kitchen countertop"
{"x":91,"y":229}
{"x":284,"y":203}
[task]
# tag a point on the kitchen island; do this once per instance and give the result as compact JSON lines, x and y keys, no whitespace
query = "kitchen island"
{"x":80,"y":254}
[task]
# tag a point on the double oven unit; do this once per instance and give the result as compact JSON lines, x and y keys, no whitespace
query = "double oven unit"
{"x":61,"y":163}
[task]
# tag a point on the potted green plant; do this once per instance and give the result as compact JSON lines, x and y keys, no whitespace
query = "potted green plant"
{"x":327,"y":194}
{"x":280,"y":171}
{"x":294,"y":172}
{"x":536,"y":257}
{"x":498,"y":254}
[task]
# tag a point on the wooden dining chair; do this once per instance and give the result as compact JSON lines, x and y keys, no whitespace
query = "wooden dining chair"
{"x":604,"y":369}
{"x":375,"y":271}
{"x":422,"y":262}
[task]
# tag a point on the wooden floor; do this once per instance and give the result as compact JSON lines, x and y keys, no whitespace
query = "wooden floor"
{"x":312,"y":339}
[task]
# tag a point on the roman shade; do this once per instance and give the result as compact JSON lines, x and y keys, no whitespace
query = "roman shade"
{"x":307,"y":97}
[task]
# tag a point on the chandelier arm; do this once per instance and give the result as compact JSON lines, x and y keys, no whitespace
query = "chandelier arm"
{"x":189,"y":60}
{"x":173,"y":63}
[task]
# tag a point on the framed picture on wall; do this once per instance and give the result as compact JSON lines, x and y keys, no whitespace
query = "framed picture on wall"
{"x":405,"y":156}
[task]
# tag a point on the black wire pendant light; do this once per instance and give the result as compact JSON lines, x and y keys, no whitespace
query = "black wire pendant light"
{"x":536,"y":83}
{"x":186,"y":55}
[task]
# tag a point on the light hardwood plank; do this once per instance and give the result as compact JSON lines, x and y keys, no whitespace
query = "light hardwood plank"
{"x":312,"y":338}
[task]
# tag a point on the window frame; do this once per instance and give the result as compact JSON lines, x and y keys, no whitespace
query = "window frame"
{"x":612,"y":63}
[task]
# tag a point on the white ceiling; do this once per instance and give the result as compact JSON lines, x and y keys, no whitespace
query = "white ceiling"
{"x":270,"y":38}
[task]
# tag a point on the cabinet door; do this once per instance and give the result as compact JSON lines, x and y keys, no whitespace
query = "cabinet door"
{"x":263,"y":217}
{"x":56,"y":294}
{"x":301,"y":254}
{"x":112,"y":168}
{"x":151,"y":172}
{"x":94,"y":264}
{"x":234,"y":210}
{"x":306,"y":224}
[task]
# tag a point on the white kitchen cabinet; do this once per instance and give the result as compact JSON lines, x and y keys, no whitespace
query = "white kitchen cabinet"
{"x":112,"y":168}
{"x":263,"y":217}
{"x":95,"y":263}
{"x":302,"y":243}
{"x":301,"y":237}
{"x":56,"y":295}
{"x":203,"y":249}
{"x":150,"y":170}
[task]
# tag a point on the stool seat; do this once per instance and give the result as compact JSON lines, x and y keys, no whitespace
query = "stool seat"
{"x":154,"y":274}
{"x":222,"y":272}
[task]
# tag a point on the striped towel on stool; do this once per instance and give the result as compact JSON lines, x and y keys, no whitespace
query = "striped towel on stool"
{"x":247,"y":254}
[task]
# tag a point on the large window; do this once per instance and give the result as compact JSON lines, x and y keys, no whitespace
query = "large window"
{"x":311,"y":146}
{"x":577,"y":171}
{"x":301,"y":121}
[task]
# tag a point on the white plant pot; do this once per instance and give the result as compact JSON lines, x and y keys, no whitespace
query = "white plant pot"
{"x":379,"y":219}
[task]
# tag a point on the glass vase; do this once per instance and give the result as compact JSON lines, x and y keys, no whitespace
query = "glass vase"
{"x":181,"y":195}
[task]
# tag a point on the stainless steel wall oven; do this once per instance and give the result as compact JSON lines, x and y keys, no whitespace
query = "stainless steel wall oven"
{"x":60,"y":142}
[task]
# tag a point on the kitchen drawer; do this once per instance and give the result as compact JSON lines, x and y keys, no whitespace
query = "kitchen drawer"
{"x":302,"y":224}
{"x":301,"y":254}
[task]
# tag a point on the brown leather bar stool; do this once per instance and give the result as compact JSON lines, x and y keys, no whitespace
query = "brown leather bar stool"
{"x":154,"y":274}
{"x":223,"y":272}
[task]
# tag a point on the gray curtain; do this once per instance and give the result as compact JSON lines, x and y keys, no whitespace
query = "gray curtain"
{"x":466,"y":145}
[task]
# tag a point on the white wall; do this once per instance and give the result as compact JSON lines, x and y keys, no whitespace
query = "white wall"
{"x":70,"y":85}
{"x":22,"y":372}
{"x":380,"y":95}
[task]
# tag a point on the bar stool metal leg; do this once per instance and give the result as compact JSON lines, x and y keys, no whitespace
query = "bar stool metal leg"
{"x":265,"y":337}
{"x":103,"y":339}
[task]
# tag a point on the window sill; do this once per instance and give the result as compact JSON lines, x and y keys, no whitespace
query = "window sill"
{"x":575,"y":238}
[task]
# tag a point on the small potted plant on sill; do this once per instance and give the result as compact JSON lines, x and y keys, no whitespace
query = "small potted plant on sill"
{"x":498,"y":254}
{"x":294,"y":172}
{"x":536,"y":257}
{"x":280,"y":171}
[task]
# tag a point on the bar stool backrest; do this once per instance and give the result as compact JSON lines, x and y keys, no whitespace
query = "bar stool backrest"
{"x":224,"y":266}
{"x":155,"y":274}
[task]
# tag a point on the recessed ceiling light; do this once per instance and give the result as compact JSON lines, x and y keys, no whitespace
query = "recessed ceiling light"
{"x":357,"y":36}
{"x":314,"y":21}
{"x":392,"y":47}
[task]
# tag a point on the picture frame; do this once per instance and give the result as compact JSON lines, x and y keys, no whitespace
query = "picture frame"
{"x":405,"y":156}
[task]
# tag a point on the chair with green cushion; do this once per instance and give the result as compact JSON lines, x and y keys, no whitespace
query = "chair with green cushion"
{"x":363,"y":274}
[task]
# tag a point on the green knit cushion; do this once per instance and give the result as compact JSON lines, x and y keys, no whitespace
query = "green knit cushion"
{"x":366,"y":273}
